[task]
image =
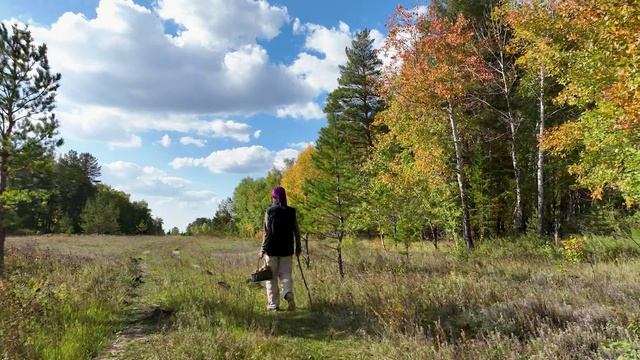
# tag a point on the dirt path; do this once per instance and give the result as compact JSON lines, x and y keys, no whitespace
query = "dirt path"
{"x":143,"y":320}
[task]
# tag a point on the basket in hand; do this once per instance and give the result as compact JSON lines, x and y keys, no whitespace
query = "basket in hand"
{"x":262,"y":274}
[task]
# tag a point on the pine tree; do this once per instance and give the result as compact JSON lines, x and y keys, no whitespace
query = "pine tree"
{"x":100,"y":215}
{"x":76,"y":179}
{"x":355,"y":100}
{"x":331,"y":197}
{"x":346,"y":144}
{"x":27,"y":99}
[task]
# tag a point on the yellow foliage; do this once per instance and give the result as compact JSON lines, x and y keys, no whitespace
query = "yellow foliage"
{"x":573,"y":249}
{"x":592,"y":47}
{"x":294,"y":178}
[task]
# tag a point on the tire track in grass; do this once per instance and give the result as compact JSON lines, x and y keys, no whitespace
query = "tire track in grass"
{"x":143,"y":319}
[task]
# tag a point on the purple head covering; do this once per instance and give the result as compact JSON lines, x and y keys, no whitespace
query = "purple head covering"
{"x":280,"y":195}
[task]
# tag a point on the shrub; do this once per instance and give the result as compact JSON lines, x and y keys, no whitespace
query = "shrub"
{"x":572,"y":249}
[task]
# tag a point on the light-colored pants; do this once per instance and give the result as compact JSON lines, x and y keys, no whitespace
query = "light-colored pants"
{"x":281,"y":268}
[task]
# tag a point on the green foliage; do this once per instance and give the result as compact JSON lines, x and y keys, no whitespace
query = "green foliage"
{"x":608,"y":248}
{"x":110,"y":211}
{"x":101,"y":213}
{"x":250,"y":200}
{"x":598,"y":55}
{"x":573,"y":250}
{"x":14,"y":197}
{"x":199,"y":226}
{"x":27,"y":95}
{"x":18,"y":199}
{"x":490,"y":212}
{"x":65,"y":225}
{"x":471,"y":9}
{"x":222,"y":223}
{"x":48,"y":195}
{"x":332,"y":196}
{"x":403,"y":206}
{"x":355,"y":102}
{"x":142,"y":227}
{"x":27,"y":99}
{"x":59,"y":188}
{"x":76,"y":176}
{"x":345,"y":145}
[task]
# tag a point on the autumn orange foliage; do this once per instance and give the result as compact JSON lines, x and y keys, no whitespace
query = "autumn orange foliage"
{"x":434,"y":65}
{"x":434,"y":58}
{"x":433,"y":70}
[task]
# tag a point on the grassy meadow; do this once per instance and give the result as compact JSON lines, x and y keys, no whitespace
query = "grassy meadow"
{"x":72,"y":297}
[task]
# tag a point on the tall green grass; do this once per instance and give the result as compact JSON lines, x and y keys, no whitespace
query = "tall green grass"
{"x":510,"y":299}
{"x":60,"y":306}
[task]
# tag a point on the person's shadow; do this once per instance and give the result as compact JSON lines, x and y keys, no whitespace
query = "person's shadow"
{"x":322,"y":321}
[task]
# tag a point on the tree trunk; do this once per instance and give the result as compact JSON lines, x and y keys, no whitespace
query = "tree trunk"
{"x":540,"y":158}
{"x":435,"y":238}
{"x":518,"y":223}
{"x":406,"y":251}
{"x":381,"y":233}
{"x":517,"y":211}
{"x":2,"y":238}
{"x":466,"y":224}
{"x":3,"y":187}
{"x":340,"y":264}
{"x":556,"y":206}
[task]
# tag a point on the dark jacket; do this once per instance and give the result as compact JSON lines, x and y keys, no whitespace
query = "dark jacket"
{"x":280,"y":231}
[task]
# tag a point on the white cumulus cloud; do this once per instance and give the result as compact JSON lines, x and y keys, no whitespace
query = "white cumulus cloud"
{"x":111,"y":125}
{"x":141,"y":179}
{"x":302,"y":145}
{"x":165,"y":141}
{"x":310,"y":110}
{"x":124,"y":74}
{"x":223,"y":23}
{"x":129,"y":141}
{"x":123,"y":58}
{"x":281,"y":157}
{"x":188,"y":140}
{"x":170,"y":197}
{"x":241,"y":160}
{"x":321,"y":71}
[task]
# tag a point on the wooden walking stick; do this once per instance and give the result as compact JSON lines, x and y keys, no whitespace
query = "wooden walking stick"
{"x":304,"y":281}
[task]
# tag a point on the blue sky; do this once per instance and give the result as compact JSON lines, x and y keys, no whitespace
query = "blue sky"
{"x":181,"y":99}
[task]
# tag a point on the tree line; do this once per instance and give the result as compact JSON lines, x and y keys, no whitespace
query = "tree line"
{"x":66,"y":196}
{"x":490,"y":118}
{"x":40,"y":193}
{"x":243,"y":214}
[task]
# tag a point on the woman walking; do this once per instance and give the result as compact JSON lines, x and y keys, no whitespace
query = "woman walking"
{"x":280,"y":232}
